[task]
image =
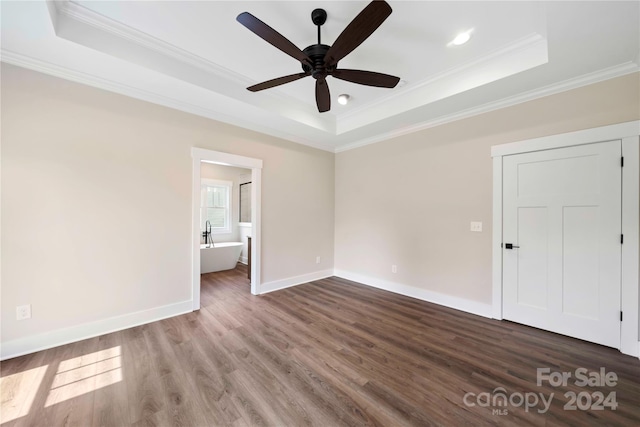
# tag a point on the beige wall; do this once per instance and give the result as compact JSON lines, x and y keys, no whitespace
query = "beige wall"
{"x":409,"y":200}
{"x":96,"y":202}
{"x":96,"y":198}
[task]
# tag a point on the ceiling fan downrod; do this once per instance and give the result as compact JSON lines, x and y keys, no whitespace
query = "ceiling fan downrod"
{"x":319,"y":17}
{"x":317,"y":51}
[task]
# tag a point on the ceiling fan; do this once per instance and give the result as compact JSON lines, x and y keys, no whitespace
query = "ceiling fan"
{"x":320,"y":60}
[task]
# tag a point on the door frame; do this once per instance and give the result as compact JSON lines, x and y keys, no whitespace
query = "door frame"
{"x":198,"y":156}
{"x":629,"y":134}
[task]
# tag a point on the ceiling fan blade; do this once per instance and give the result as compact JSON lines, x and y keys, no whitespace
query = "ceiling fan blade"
{"x":272,"y":36}
{"x":368,"y":78}
{"x":323,"y":97}
{"x":358,"y":31}
{"x":276,"y":82}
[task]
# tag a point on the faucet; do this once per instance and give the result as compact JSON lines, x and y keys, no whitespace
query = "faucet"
{"x":207,"y":234}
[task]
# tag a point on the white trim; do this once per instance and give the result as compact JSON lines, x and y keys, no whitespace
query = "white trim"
{"x":191,"y":106}
{"x":200,"y":155}
{"x":587,"y":136}
{"x":244,"y":224}
{"x":457,"y":303}
{"x":153,"y":97}
{"x":195,"y":224}
{"x":131,"y":35}
{"x":83,"y":26}
{"x":277,"y":285}
{"x":514,"y":57}
{"x":514,"y":47}
{"x":629,"y":333}
{"x":570,"y":84}
{"x":225,"y":159}
{"x":45,"y":67}
{"x":132,"y":40}
{"x":496,"y":245}
{"x":627,"y":132}
{"x":219,"y":182}
{"x":43,"y":341}
{"x":256,"y":236}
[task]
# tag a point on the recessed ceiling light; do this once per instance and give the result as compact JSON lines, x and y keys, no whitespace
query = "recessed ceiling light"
{"x":343,"y":99}
{"x":461,"y":38}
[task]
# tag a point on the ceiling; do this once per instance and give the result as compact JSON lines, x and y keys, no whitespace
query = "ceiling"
{"x":195,"y":57}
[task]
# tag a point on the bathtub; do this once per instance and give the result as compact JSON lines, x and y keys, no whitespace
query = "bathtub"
{"x":219,"y":257}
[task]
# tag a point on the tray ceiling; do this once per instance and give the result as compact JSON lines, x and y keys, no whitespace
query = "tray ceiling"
{"x":195,"y":57}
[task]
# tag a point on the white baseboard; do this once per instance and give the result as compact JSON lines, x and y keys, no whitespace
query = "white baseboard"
{"x":244,"y":260}
{"x":276,"y":285}
{"x":462,"y":304}
{"x":38,"y":342}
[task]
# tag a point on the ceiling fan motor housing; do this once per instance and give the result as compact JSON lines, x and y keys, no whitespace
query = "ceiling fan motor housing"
{"x":316,"y":53}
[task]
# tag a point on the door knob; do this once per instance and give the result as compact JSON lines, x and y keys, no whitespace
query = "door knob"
{"x":510,"y":246}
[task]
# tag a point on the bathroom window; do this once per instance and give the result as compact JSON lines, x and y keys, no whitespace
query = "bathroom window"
{"x":215,"y":205}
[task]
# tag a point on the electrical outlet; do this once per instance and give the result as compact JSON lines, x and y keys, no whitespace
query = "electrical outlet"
{"x":23,"y":312}
{"x":317,"y":260}
{"x":476,"y":226}
{"x":394,"y":268}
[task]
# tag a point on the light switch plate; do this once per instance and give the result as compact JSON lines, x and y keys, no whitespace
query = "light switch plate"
{"x":476,"y":226}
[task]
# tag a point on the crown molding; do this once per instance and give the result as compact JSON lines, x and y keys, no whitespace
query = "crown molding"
{"x":569,"y":84}
{"x":38,"y":65}
{"x":166,"y":58}
{"x":86,"y":27}
{"x":515,"y":46}
{"x":87,"y":16}
{"x":512,"y":58}
{"x":110,"y":85}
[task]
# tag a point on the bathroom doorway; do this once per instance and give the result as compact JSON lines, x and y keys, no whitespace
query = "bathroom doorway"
{"x":217,"y":212}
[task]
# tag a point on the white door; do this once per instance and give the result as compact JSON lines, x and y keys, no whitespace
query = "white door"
{"x":562,"y":214}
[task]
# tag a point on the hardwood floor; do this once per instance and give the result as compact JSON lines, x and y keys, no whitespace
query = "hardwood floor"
{"x":327,"y":353}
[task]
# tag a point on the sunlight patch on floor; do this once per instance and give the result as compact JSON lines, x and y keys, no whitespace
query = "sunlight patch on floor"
{"x":85,"y":374}
{"x":18,"y":391}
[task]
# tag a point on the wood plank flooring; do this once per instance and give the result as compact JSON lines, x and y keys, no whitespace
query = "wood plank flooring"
{"x":327,"y":353}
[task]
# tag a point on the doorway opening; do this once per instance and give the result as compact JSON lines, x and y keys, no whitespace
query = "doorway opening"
{"x":225,"y":229}
{"x":202,"y":157}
